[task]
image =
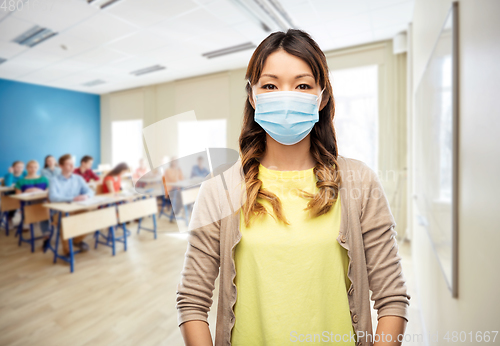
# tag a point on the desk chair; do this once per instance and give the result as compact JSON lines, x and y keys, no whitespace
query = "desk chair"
{"x":188,"y":198}
{"x":32,"y":214}
{"x":80,"y":224}
{"x":7,"y":204}
{"x":98,"y":189}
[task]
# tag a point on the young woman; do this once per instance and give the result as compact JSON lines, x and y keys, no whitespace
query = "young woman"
{"x":314,"y":233}
{"x":50,"y":168}
{"x":112,"y":182}
{"x":33,"y":182}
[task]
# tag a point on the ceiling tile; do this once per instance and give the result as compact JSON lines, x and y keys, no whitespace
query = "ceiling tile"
{"x":251,"y":31}
{"x":373,"y":4}
{"x":100,"y":55}
{"x":302,"y":14}
{"x":218,"y":39}
{"x":392,"y":15}
{"x":10,"y":49}
{"x":64,"y":45}
{"x":129,"y":65}
{"x":57,"y":71}
{"x":57,"y":15}
{"x":192,"y":24}
{"x":139,"y":42}
{"x":101,"y":28}
{"x":12,"y":27}
{"x":26,"y":62}
{"x":335,"y":9}
{"x":173,"y":52}
{"x":144,"y":13}
{"x":348,"y":26}
{"x":227,"y":12}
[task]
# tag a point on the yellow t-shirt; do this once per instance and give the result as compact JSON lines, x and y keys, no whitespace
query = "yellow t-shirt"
{"x":292,"y":279}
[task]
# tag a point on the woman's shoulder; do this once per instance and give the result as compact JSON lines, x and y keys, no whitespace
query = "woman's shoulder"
{"x":355,"y":170}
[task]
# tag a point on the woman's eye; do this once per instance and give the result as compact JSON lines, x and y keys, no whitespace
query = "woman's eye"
{"x":268,"y":86}
{"x":304,"y":86}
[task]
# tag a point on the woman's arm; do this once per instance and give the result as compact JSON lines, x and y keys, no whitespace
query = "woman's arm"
{"x":383,"y":262}
{"x":393,"y":325}
{"x":196,"y":333}
{"x":201,"y":267}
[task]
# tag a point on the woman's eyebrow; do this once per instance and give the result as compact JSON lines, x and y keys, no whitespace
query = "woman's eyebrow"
{"x":296,"y":77}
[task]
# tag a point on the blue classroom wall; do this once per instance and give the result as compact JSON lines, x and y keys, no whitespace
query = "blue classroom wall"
{"x":36,"y":121}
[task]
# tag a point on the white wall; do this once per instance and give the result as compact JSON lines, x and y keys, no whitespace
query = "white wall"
{"x":213,"y":96}
{"x":477,"y":307}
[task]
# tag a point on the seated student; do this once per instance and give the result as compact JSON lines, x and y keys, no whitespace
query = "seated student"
{"x":85,"y":169}
{"x":173,"y":174}
{"x":50,"y":168}
{"x":112,"y":181}
{"x":16,"y":172}
{"x":199,"y":170}
{"x":68,"y":187}
{"x":33,"y":182}
{"x":141,"y":170}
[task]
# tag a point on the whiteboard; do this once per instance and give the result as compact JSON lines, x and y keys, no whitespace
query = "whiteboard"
{"x":436,"y":149}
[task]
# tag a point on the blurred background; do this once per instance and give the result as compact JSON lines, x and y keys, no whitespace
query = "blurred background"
{"x":415,"y":84}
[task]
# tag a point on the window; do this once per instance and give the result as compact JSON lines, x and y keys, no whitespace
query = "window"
{"x":126,"y":142}
{"x":355,"y":91}
{"x":210,"y":133}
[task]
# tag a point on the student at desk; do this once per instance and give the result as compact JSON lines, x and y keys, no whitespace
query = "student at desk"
{"x":69,"y":187}
{"x":50,"y":168}
{"x":112,"y":182}
{"x":199,"y":170}
{"x":33,"y":182}
{"x":85,"y":169}
{"x":174,"y":174}
{"x":141,"y":170}
{"x":16,"y":172}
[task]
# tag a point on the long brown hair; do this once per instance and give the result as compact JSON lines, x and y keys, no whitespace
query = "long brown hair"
{"x":118,"y":169}
{"x":252,"y":139}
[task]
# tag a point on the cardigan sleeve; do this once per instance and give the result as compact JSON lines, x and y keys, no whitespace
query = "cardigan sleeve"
{"x":383,"y":262}
{"x":202,"y":257}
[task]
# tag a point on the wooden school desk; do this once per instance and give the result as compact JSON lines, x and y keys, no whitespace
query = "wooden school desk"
{"x":31,"y":212}
{"x":6,"y":204}
{"x":88,"y":216}
{"x":187,"y":190}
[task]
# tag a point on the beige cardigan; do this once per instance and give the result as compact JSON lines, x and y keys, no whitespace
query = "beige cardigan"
{"x":366,"y":232}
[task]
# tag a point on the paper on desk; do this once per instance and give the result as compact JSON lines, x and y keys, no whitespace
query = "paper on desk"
{"x":95,"y":200}
{"x":33,"y":193}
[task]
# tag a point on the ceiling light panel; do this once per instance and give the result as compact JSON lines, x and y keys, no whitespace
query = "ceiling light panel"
{"x":147,"y":70}
{"x":11,"y":27}
{"x":58,"y":15}
{"x":269,"y":13}
{"x":229,"y":50}
{"x":94,"y":83}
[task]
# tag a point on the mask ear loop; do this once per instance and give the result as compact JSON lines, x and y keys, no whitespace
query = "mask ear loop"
{"x":253,"y":93}
{"x":320,"y":97}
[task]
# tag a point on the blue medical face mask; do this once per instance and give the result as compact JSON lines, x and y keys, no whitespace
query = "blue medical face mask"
{"x":287,"y":116}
